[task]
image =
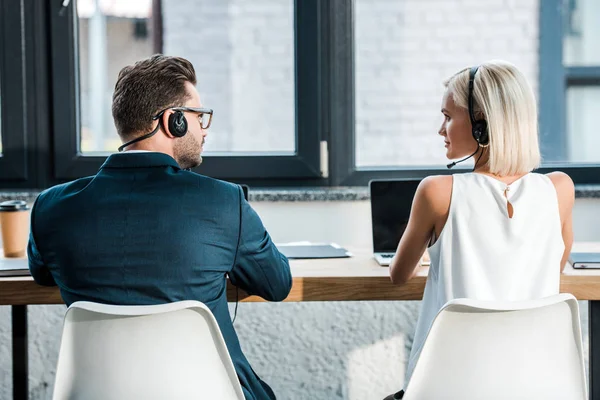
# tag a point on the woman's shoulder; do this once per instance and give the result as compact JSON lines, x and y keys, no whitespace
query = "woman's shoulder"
{"x":562,"y":182}
{"x":436,"y":183}
{"x":436,"y":192}
{"x":565,"y":191}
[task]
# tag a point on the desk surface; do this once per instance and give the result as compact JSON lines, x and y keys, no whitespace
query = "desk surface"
{"x":357,"y":278}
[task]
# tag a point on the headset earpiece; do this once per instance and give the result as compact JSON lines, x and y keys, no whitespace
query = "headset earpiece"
{"x":178,"y":125}
{"x":480,"y":133}
{"x":479,"y":128}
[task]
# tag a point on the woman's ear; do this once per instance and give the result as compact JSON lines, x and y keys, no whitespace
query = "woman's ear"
{"x":479,"y":116}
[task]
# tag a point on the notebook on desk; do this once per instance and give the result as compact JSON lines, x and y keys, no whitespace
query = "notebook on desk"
{"x":14,"y":267}
{"x":307,"y":250}
{"x":391,"y":201}
{"x":585,"y":260}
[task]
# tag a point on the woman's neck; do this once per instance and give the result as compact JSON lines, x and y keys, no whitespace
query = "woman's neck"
{"x":482,"y":166}
{"x":482,"y":158}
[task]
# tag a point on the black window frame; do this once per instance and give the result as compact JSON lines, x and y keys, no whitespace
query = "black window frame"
{"x":303,"y":167}
{"x":24,"y":79}
{"x":14,"y":170}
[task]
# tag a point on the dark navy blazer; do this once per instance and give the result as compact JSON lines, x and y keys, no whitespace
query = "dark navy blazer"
{"x":143,"y":231}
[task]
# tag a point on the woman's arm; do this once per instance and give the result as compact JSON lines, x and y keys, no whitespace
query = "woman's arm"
{"x":427,"y":216}
{"x":565,"y":191}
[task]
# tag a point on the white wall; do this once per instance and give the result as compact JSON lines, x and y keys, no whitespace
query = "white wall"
{"x":404,"y":52}
{"x":349,"y":223}
{"x":318,"y":350}
{"x":243,"y":54}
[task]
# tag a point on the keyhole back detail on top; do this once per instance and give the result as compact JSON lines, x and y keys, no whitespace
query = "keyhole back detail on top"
{"x":509,"y":207}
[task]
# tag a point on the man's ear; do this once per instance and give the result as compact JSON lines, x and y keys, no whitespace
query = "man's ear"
{"x":165,"y":122}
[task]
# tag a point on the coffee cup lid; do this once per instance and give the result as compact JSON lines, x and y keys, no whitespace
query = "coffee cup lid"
{"x":13,"y":205}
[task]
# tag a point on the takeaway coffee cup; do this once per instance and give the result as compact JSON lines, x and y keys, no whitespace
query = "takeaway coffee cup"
{"x":14,"y":221}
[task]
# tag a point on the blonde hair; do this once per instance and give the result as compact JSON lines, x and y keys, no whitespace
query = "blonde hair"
{"x":503,"y":97}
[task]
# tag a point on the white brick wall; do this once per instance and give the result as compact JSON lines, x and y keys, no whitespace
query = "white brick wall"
{"x":243,"y":53}
{"x":406,"y":49}
{"x":200,"y":32}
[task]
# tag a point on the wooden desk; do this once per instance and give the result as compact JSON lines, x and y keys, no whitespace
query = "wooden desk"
{"x":358,"y":278}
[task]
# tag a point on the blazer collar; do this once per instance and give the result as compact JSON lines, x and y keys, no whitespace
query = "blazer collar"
{"x":140,"y":160}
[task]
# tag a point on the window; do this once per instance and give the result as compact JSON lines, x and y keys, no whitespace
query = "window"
{"x":393,"y":56}
{"x":581,"y":38}
{"x":581,"y":33}
{"x":570,"y":84}
{"x":244,"y":58}
{"x":305,"y":92}
{"x":256,"y":66}
{"x":583,"y":103}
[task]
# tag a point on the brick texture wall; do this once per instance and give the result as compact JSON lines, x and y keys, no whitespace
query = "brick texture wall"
{"x":406,"y":49}
{"x":244,"y":58}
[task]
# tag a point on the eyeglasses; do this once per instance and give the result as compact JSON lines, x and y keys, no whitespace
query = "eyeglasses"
{"x":204,"y":114}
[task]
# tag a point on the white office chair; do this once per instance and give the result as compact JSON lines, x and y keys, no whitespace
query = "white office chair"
{"x":167,"y":351}
{"x":502,"y":350}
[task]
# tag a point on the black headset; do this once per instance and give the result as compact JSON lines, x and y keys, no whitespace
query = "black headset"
{"x":177,"y":126}
{"x":479,"y":128}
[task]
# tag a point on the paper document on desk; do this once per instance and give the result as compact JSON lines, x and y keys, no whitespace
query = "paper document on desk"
{"x":14,"y":267}
{"x":585,"y":260}
{"x":309,"y":250}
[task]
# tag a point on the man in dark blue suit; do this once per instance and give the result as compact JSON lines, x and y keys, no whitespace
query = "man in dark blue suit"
{"x":146,"y":230}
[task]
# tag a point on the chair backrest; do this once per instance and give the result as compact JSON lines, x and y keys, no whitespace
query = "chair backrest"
{"x":502,"y":350}
{"x":167,"y":351}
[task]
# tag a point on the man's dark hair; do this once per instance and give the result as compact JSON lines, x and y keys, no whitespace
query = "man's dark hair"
{"x":148,"y":87}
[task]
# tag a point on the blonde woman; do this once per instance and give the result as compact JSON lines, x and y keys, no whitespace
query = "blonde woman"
{"x":500,"y":232}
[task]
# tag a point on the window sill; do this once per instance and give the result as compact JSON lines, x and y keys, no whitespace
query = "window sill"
{"x":359,"y":193}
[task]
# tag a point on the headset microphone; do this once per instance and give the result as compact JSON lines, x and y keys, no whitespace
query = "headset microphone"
{"x":452,"y":164}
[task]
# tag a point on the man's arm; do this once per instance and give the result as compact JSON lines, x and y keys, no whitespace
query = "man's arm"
{"x":259,"y":268}
{"x":37,"y":267}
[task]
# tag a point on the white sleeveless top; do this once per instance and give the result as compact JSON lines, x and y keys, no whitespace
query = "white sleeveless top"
{"x":483,"y":254}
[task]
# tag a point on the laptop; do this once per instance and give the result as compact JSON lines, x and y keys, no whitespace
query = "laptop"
{"x":391,"y":201}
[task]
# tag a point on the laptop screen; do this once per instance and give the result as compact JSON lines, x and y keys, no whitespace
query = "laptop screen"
{"x":391,"y":201}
